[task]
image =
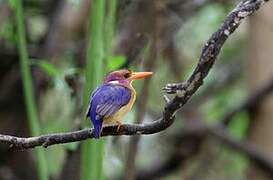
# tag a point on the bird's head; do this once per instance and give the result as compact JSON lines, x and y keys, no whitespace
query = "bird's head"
{"x":124,"y":76}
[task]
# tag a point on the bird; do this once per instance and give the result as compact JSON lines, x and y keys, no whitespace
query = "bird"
{"x":110,"y":101}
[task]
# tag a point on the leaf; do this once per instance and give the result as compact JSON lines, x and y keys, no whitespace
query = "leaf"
{"x":47,"y":67}
{"x":115,"y":61}
{"x":239,"y":126}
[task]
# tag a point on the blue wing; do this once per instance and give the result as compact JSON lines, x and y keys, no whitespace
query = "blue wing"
{"x":105,"y":101}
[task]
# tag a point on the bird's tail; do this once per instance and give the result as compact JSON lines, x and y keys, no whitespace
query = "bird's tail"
{"x":97,"y":127}
{"x":97,"y":122}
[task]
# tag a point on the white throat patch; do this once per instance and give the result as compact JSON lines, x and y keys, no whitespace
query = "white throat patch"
{"x":113,"y":82}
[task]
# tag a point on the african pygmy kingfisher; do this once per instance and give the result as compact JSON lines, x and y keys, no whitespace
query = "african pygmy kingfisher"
{"x":110,"y":101}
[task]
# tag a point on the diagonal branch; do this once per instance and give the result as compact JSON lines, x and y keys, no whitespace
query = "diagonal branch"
{"x":183,"y":91}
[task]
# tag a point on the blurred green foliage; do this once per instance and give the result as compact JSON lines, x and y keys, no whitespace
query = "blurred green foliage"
{"x":7,"y":32}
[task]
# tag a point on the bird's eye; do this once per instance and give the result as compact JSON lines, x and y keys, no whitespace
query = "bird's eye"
{"x":127,"y":75}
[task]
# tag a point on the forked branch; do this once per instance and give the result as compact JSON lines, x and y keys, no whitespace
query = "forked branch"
{"x":183,"y":91}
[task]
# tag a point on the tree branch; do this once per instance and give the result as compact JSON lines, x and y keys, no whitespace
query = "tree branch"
{"x":183,"y":91}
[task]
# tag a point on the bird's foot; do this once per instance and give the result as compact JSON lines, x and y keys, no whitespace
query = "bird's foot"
{"x":120,"y":125}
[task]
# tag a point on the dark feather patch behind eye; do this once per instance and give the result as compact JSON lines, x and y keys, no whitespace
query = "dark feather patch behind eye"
{"x":127,"y":75}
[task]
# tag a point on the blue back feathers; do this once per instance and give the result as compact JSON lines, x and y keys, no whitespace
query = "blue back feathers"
{"x":105,"y":101}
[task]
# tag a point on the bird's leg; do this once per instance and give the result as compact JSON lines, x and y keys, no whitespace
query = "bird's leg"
{"x":120,"y":125}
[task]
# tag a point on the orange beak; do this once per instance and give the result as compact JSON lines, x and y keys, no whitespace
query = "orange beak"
{"x":139,"y":75}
